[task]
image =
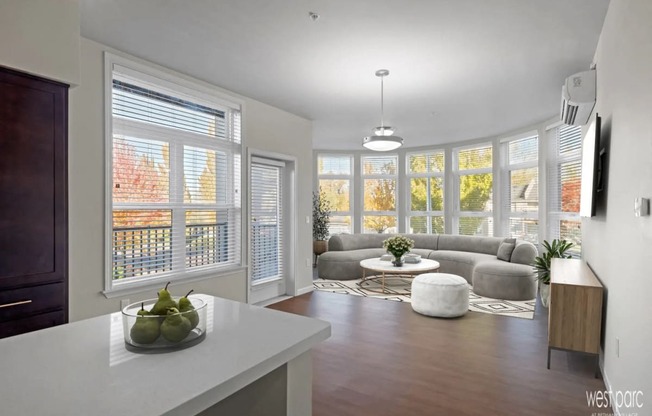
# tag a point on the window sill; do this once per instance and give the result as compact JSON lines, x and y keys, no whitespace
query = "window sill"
{"x":157,"y":283}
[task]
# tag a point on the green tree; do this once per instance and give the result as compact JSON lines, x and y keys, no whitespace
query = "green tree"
{"x":420,"y":198}
{"x":475,"y":189}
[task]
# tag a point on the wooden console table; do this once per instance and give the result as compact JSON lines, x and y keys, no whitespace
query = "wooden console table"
{"x":575,"y":310}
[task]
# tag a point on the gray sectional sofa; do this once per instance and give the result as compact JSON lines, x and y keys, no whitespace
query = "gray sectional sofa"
{"x":473,"y":258}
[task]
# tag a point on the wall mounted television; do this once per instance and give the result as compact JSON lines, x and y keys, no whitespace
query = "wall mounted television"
{"x":590,"y":167}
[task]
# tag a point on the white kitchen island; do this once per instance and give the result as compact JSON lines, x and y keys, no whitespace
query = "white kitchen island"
{"x":253,"y":361}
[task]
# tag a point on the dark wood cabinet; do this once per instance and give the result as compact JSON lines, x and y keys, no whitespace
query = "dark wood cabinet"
{"x":33,"y":203}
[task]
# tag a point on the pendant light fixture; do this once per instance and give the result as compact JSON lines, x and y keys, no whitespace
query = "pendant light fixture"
{"x":383,"y":139}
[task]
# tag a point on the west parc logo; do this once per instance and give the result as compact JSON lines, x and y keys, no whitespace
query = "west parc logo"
{"x":627,"y":402}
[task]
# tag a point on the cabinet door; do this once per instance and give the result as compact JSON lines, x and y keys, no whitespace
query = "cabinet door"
{"x":33,"y":181}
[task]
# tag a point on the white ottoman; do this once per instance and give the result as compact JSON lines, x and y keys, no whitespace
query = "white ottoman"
{"x":440,"y":294}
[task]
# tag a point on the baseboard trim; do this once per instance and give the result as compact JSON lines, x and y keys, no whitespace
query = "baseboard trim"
{"x":305,"y":290}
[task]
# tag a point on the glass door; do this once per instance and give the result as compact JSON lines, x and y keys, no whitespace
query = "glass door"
{"x":267,"y":274}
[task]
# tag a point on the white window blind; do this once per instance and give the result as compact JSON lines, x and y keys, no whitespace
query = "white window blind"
{"x":564,"y":188}
{"x":425,"y":173}
{"x":379,"y":181}
{"x":474,"y":177}
{"x":266,"y":222}
{"x":175,"y":183}
{"x":335,"y":179}
{"x":521,"y":188}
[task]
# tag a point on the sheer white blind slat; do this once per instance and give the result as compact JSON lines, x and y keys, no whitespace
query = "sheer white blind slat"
{"x":565,"y":173}
{"x":266,"y":222}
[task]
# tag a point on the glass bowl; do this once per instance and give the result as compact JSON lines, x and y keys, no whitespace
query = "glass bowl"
{"x":150,"y":333}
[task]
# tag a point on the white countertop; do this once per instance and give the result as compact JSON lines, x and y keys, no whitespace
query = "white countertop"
{"x":83,"y":368}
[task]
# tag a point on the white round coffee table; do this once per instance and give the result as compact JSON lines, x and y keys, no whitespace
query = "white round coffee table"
{"x":385,"y":273}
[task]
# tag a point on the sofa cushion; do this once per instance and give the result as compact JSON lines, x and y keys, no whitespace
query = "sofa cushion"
{"x":505,"y":249}
{"x":473,"y":244}
{"x":345,"y":265}
{"x":424,"y":241}
{"x":459,"y":262}
{"x":524,"y":253}
{"x":501,"y":280}
{"x":344,"y":242}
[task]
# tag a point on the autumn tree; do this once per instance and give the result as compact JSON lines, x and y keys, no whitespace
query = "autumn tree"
{"x":475,"y":189}
{"x":379,"y":195}
{"x":139,"y":178}
{"x":420,"y":198}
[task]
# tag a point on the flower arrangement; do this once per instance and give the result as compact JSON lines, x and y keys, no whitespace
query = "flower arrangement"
{"x":398,"y":246}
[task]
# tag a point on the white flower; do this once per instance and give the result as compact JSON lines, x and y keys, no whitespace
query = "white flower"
{"x":398,"y":245}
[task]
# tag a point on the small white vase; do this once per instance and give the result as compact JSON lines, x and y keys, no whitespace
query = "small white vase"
{"x":544,"y":294}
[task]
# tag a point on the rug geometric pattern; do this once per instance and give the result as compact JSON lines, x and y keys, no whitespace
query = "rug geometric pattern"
{"x":400,"y":292}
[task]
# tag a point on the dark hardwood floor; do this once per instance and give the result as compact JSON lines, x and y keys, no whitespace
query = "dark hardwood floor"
{"x":385,"y":359}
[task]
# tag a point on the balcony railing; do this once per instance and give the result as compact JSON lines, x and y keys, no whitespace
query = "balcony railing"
{"x":143,"y":251}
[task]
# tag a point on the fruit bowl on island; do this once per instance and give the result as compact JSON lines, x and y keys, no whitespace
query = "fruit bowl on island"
{"x":147,"y":329}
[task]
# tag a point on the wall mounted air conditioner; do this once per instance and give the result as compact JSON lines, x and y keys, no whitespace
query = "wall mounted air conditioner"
{"x":578,"y":98}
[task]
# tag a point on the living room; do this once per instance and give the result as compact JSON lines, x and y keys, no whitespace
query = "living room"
{"x":461,"y":102}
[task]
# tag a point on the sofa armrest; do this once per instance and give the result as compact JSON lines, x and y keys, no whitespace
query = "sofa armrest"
{"x":524,"y":253}
{"x":335,"y":243}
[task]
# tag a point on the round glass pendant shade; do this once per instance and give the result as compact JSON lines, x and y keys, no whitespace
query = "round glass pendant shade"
{"x":382,"y":143}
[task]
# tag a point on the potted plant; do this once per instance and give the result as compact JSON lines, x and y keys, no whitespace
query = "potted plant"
{"x":397,"y":246}
{"x":555,"y":250}
{"x":321,"y":212}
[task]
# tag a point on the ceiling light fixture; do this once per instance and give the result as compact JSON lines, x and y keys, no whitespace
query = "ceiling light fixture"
{"x":383,"y":139}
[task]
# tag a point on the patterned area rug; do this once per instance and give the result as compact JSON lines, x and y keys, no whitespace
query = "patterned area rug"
{"x":400,"y":292}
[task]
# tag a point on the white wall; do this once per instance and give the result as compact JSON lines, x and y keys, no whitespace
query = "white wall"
{"x":265,"y":128}
{"x":617,"y":245}
{"x":41,"y":37}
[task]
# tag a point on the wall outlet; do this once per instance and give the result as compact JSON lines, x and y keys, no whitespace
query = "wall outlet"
{"x":308,"y":263}
{"x":307,"y":219}
{"x":618,"y":347}
{"x":123,"y":303}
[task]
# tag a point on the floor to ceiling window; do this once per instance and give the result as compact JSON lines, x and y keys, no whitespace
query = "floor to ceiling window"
{"x":425,"y":173}
{"x":379,"y":184}
{"x":564,"y":185}
{"x":521,"y":188}
{"x":335,"y":175}
{"x":473,"y":170}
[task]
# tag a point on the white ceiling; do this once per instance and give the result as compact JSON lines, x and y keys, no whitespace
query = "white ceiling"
{"x":459,"y":69}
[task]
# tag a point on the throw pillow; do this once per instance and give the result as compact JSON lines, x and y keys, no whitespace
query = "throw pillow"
{"x":505,"y":249}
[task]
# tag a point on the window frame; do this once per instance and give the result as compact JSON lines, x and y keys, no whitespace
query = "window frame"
{"x":457,"y":174}
{"x":363,"y":177}
{"x":506,"y":169}
{"x":429,"y":213}
{"x":201,"y":94}
{"x":350,"y":178}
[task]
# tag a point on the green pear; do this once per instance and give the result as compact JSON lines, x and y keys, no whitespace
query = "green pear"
{"x":164,"y":302}
{"x":188,"y":310}
{"x":176,"y":326}
{"x":146,"y":329}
